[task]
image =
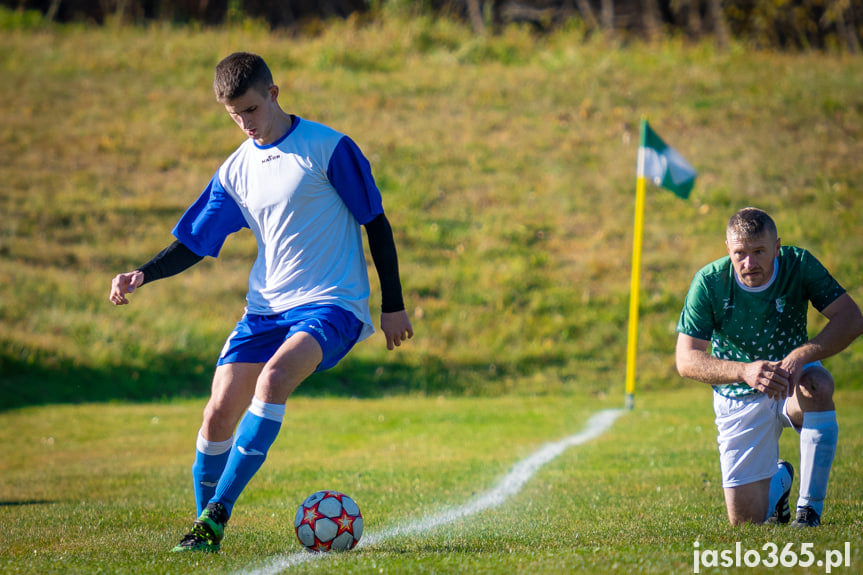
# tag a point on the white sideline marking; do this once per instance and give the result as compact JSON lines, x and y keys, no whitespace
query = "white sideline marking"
{"x":511,"y":484}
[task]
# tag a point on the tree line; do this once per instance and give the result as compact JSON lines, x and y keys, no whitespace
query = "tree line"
{"x":786,"y":24}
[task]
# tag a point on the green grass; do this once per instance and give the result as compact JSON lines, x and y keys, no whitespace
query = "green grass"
{"x":507,"y":167}
{"x":106,"y":487}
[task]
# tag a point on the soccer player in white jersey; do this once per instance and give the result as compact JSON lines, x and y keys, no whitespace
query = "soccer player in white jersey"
{"x":305,"y":191}
{"x":751,"y":308}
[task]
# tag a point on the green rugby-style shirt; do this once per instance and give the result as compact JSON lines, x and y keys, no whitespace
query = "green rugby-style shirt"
{"x":750,"y":324}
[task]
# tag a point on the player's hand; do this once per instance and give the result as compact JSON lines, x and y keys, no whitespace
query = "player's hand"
{"x":124,"y":284}
{"x":768,"y":377}
{"x":793,"y":363}
{"x":396,"y":327}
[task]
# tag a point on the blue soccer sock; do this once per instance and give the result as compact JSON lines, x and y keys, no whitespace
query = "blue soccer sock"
{"x":210,"y":460}
{"x":255,"y":434}
{"x":818,"y":439}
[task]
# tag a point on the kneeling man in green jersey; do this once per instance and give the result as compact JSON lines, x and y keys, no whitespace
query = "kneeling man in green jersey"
{"x":750,"y":309}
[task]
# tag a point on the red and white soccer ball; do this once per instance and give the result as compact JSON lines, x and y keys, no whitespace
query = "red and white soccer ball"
{"x":328,"y":521}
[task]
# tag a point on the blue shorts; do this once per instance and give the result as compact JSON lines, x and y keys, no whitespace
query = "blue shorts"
{"x":256,"y":338}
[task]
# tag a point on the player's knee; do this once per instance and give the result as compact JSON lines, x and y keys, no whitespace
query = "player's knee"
{"x":272,"y":378}
{"x":816,"y":389}
{"x":742,"y":517}
{"x":218,"y":420}
{"x":211,"y":413}
{"x":277,"y":382}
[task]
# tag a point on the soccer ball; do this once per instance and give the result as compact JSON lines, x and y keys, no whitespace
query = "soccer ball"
{"x":328,"y":521}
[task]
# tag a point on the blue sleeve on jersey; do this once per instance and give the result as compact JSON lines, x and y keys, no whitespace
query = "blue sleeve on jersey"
{"x":351,"y":175}
{"x":211,"y":219}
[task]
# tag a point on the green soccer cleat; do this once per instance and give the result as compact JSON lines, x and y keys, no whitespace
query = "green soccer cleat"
{"x":207,"y":532}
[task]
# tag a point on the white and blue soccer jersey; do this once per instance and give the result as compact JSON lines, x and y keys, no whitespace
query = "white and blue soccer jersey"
{"x":305,"y":198}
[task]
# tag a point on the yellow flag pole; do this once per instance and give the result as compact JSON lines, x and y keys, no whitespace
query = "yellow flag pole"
{"x":632,"y":339}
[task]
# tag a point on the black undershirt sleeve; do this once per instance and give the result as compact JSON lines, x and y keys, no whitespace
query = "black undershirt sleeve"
{"x":383,"y":249}
{"x":170,"y":261}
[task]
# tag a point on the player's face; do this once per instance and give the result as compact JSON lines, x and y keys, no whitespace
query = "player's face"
{"x":257,"y":114}
{"x":753,"y":258}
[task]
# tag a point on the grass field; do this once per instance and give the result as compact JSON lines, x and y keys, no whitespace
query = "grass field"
{"x":507,"y":168}
{"x":92,"y":488}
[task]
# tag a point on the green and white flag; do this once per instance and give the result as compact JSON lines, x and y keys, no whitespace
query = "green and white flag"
{"x":663,"y":165}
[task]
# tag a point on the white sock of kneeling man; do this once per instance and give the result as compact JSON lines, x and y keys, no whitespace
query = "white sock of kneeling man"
{"x":255,"y":434}
{"x":779,"y":484}
{"x":818,"y":439}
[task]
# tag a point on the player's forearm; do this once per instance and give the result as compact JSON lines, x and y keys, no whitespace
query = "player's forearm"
{"x":837,"y":335}
{"x":383,"y":250}
{"x":703,"y":367}
{"x":170,"y":261}
{"x":844,"y":326}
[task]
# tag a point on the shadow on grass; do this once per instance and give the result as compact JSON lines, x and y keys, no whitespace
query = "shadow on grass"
{"x":42,"y":380}
{"x":50,"y":380}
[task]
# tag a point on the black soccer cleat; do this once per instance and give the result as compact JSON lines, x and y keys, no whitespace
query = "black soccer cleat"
{"x":782,"y":513}
{"x":806,"y":517}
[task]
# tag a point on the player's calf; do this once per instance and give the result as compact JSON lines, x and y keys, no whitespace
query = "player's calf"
{"x":747,"y":503}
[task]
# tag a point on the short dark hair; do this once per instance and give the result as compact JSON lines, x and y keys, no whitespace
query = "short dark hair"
{"x":238,"y":73}
{"x":750,"y":223}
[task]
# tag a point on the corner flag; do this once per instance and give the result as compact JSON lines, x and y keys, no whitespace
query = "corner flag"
{"x":662,"y":164}
{"x":665,"y":167}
